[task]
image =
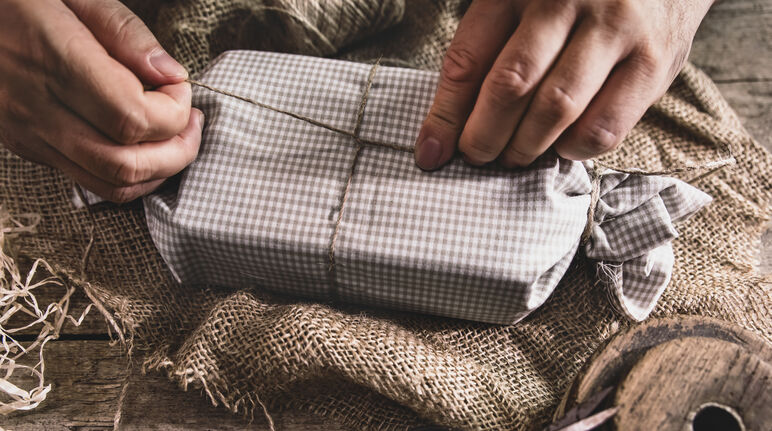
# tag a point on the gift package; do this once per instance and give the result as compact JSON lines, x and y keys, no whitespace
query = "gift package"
{"x":306,"y":185}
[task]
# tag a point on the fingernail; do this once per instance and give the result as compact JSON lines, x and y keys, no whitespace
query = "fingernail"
{"x":200,"y":119}
{"x":166,"y":65}
{"x":428,"y":154}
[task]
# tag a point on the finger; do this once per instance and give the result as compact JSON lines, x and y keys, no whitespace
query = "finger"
{"x":107,"y":94}
{"x":128,"y":40}
{"x":483,"y":30}
{"x":577,"y":76}
{"x":630,"y":90}
{"x":48,"y":155}
{"x":508,"y":86}
{"x":122,"y":165}
{"x":107,"y":191}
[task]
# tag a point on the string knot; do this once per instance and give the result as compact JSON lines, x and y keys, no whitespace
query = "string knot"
{"x":595,"y":177}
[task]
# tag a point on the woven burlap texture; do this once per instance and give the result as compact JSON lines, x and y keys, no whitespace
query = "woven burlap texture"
{"x":373,"y":369}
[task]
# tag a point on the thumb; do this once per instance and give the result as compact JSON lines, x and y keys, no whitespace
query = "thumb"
{"x":126,"y":38}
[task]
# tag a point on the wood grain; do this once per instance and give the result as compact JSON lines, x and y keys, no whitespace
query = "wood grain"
{"x":170,"y":409}
{"x":610,"y":364}
{"x":88,"y":377}
{"x":734,"y":41}
{"x":673,"y":380}
{"x":752,"y":101}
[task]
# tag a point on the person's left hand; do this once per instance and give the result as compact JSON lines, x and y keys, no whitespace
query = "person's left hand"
{"x":522,"y":76}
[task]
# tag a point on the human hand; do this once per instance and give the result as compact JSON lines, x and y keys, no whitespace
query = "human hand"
{"x":576,"y":75}
{"x":73,"y":75}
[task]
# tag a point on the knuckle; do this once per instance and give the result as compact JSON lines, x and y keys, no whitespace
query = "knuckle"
{"x":679,"y":58}
{"x":180,"y":117}
{"x":648,"y":64}
{"x":442,"y":117}
{"x":460,"y":65}
{"x":16,"y":114}
{"x":507,"y":85}
{"x":132,"y":126}
{"x":616,"y":17}
{"x":67,"y":47}
{"x":647,"y":55}
{"x":188,"y":149}
{"x":553,"y":6}
{"x":555,"y":104}
{"x":675,"y":66}
{"x":129,"y":171}
{"x":478,"y":149}
{"x":14,"y":111}
{"x":599,"y":139}
{"x":514,"y":158}
{"x":124,"y":24}
{"x":615,"y":12}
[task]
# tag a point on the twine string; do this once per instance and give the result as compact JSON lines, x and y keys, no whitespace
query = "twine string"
{"x":596,"y":173}
{"x":344,"y":196}
{"x":595,"y":177}
{"x":711,"y":166}
{"x":352,"y":134}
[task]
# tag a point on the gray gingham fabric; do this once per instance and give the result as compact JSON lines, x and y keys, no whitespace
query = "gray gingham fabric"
{"x":260,"y":205}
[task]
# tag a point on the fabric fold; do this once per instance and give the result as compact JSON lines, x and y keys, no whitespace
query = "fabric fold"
{"x":633,"y":227}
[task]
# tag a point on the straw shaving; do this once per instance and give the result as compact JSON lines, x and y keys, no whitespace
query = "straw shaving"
{"x":17,"y":299}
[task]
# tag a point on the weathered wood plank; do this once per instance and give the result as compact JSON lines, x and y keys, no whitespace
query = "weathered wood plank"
{"x":154,"y":403}
{"x":753,"y":103}
{"x":87,"y":376}
{"x":734,"y":42}
{"x":730,"y":7}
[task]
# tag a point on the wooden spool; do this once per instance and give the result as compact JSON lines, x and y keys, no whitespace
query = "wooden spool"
{"x":682,"y":374}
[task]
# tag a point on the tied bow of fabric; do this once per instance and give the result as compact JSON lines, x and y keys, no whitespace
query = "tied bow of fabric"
{"x":630,"y":235}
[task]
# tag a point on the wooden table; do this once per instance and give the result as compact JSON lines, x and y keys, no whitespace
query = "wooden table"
{"x":93,"y":384}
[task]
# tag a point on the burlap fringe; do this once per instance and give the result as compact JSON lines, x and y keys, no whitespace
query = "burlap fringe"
{"x":17,"y":297}
{"x":245,"y":404}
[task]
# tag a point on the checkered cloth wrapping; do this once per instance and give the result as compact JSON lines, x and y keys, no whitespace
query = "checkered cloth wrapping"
{"x":278,"y":202}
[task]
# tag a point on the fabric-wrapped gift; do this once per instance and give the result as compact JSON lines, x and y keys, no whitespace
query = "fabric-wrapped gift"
{"x":306,"y":185}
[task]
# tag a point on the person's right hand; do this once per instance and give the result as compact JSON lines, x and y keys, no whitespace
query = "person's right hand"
{"x":73,"y":79}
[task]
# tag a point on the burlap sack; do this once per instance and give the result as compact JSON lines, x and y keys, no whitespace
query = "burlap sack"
{"x":382,"y":370}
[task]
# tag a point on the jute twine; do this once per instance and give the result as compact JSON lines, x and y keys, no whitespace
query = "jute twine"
{"x":596,"y":172}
